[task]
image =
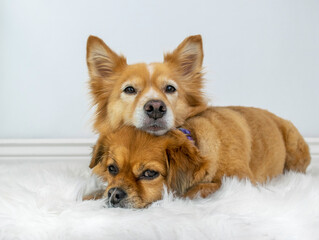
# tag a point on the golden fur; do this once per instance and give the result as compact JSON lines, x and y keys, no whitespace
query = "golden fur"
{"x":110,"y":74}
{"x":230,"y":141}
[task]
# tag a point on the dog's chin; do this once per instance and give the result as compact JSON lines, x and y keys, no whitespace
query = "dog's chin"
{"x":126,"y":204}
{"x":122,"y":204}
{"x":155,"y":129}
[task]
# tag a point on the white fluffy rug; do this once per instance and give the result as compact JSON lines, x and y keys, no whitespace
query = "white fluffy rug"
{"x":43,"y":201}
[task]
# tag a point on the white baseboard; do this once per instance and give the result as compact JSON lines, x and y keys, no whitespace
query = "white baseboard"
{"x":314,"y":146}
{"x":71,"y":149}
{"x":46,"y":149}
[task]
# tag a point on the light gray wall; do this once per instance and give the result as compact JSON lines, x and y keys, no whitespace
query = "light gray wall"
{"x":257,"y":53}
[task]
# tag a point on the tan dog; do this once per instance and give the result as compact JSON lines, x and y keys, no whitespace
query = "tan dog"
{"x":232,"y":141}
{"x":154,"y":97}
{"x":229,"y":141}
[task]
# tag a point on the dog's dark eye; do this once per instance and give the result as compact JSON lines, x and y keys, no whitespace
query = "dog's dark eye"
{"x":149,"y":174}
{"x":129,"y":90}
{"x":170,"y":89}
{"x":113,"y":169}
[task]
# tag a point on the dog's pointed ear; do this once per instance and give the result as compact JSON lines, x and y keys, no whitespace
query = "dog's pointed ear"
{"x":188,"y":56}
{"x":104,"y":66}
{"x":99,"y":151}
{"x":185,"y":165}
{"x":187,"y":60}
{"x":101,"y":60}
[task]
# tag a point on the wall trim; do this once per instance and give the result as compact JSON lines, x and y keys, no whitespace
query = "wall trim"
{"x":70,"y":149}
{"x":46,"y":149}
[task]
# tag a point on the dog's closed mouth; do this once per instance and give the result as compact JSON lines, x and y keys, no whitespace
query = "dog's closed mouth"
{"x":154,"y":127}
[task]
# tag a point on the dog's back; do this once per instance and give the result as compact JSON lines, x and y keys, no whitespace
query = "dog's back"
{"x":248,"y":142}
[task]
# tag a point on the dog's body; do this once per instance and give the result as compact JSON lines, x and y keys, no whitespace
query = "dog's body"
{"x":232,"y":141}
{"x":248,"y":142}
{"x":229,"y":141}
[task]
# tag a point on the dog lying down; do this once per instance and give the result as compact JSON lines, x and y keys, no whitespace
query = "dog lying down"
{"x":228,"y":141}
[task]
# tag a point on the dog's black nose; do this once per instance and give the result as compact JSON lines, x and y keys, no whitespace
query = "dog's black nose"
{"x":116,"y":195}
{"x":155,"y":109}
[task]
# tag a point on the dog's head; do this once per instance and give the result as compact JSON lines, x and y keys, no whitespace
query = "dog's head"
{"x":153,"y":97}
{"x":137,"y":165}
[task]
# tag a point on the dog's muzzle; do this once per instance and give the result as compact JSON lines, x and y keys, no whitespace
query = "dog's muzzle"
{"x":155,"y":109}
{"x":155,"y":120}
{"x":116,"y":197}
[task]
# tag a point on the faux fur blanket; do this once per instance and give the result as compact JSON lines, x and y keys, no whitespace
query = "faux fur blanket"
{"x":42,"y":200}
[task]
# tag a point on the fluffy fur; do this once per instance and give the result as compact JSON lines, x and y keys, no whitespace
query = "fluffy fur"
{"x":110,"y":76}
{"x":42,"y":200}
{"x":234,"y":141}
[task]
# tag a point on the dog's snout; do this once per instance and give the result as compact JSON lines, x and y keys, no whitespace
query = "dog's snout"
{"x":116,"y":195}
{"x":155,"y":109}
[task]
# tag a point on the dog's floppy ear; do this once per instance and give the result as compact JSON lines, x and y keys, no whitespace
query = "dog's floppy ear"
{"x":188,"y":56}
{"x":185,"y":165}
{"x":99,"y":150}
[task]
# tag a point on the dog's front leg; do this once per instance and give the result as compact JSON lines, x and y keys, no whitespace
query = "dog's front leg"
{"x":202,"y":189}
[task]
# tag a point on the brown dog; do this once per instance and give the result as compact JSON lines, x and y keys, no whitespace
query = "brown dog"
{"x":229,"y":141}
{"x":153,"y":97}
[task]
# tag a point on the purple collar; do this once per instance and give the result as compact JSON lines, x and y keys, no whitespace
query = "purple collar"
{"x":187,"y":133}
